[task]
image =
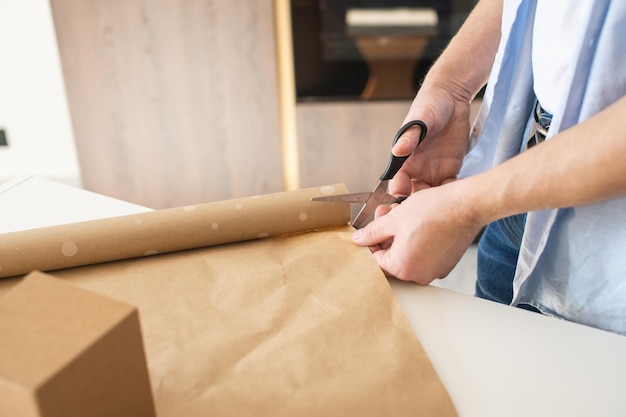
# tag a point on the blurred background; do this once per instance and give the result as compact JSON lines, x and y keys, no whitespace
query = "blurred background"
{"x":169,"y":102}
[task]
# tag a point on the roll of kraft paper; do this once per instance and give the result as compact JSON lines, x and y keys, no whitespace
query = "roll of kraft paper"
{"x":169,"y":230}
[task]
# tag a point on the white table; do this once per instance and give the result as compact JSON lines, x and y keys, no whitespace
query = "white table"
{"x":494,"y":360}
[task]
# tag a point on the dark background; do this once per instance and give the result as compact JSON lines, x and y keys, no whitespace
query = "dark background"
{"x":328,"y":65}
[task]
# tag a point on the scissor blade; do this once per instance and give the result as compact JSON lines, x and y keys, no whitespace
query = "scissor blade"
{"x":345,"y":198}
{"x":377,"y":198}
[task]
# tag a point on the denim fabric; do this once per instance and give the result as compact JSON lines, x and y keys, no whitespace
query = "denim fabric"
{"x":498,"y":250}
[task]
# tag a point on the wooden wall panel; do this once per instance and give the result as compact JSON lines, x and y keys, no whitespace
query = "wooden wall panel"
{"x":348,"y":142}
{"x":172,"y":102}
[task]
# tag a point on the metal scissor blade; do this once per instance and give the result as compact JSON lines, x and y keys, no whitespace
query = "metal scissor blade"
{"x":376,"y":199}
{"x":345,"y":198}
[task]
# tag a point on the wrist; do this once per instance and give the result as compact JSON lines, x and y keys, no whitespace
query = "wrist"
{"x":439,"y":78}
{"x":477,"y":208}
{"x":462,"y":83}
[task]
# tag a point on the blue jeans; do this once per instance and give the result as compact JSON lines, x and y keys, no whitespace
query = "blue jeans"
{"x":498,"y":250}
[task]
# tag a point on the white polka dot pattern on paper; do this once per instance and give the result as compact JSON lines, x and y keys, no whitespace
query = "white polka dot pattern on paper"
{"x":328,"y":189}
{"x":69,"y":248}
{"x":303,"y":216}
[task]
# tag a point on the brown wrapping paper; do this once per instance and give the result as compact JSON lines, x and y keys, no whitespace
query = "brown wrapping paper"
{"x":169,"y":230}
{"x":298,"y":323}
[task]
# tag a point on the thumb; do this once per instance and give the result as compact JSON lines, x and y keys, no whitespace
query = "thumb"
{"x":407,"y":143}
{"x":373,"y":234}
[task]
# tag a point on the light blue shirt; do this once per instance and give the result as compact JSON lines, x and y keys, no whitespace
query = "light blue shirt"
{"x":572,"y":262}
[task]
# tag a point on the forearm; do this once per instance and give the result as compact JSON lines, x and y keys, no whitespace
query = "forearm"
{"x":466,"y":62}
{"x":456,"y":77}
{"x":443,"y":103}
{"x":581,"y":165}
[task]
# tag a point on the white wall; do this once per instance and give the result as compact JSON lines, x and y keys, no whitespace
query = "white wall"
{"x":33,"y":106}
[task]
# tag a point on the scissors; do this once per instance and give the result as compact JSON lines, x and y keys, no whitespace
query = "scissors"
{"x":379,"y":196}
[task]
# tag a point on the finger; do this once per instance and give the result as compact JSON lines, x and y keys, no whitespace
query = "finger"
{"x":373,"y":234}
{"x":382,"y":257}
{"x":419,"y":186}
{"x":400,"y":184}
{"x":382,"y":246}
{"x":375,"y":248}
{"x":381,"y":211}
{"x":407,"y":143}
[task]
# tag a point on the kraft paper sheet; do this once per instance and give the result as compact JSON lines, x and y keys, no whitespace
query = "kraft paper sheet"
{"x":256,"y":306}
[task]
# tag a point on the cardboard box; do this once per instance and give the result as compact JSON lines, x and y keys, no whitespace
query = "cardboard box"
{"x":66,"y":351}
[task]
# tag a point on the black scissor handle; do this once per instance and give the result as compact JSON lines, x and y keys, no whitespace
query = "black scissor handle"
{"x":396,"y":162}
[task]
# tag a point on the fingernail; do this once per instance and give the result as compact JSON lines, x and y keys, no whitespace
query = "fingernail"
{"x":356,"y":235}
{"x":398,"y":146}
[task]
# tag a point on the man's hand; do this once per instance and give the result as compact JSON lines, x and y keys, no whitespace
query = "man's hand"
{"x":438,"y":158}
{"x":443,"y":102}
{"x":423,"y":238}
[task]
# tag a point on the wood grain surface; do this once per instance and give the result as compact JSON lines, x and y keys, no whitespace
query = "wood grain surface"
{"x":349,"y":142}
{"x":172,"y":102}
